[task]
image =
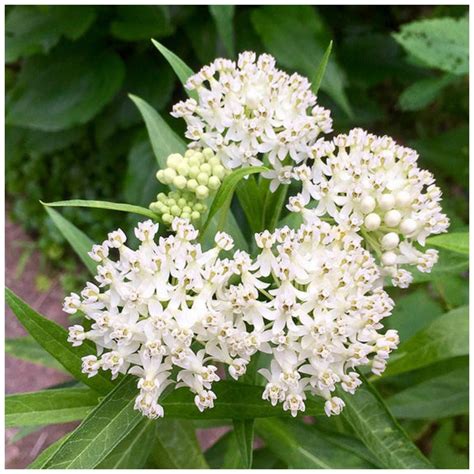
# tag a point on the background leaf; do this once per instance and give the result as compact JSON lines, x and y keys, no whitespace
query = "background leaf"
{"x":223,"y":16}
{"x":454,"y":241}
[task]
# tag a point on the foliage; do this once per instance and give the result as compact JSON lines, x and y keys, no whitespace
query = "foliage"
{"x":398,"y":69}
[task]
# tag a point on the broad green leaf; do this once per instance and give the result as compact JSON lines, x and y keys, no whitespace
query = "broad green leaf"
{"x":303,"y":447}
{"x":140,"y":22}
{"x":26,"y":348}
{"x":225,"y":453}
{"x":412,"y":313}
{"x":424,"y":92}
{"x":49,"y":406}
{"x":443,"y":454}
{"x":175,"y":446}
{"x":163,"y":140}
{"x":372,"y":422}
{"x":48,"y":453}
{"x":454,"y":241}
{"x":37,"y":29}
{"x":318,"y":77}
{"x":79,"y":241}
{"x":244,"y":431}
{"x":53,"y":338}
{"x":234,"y":401}
{"x":223,"y":197}
{"x":298,"y":37}
{"x":182,"y":70}
{"x":453,"y":290}
{"x":454,"y":143}
{"x":441,"y":43}
{"x":439,"y":397}
{"x":113,"y":206}
{"x":447,"y":336}
{"x":224,"y":16}
{"x":264,"y":458}
{"x":103,"y":429}
{"x":133,"y":451}
{"x":83,"y":80}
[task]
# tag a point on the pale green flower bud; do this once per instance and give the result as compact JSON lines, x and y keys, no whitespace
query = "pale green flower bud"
{"x":183,"y":169}
{"x":180,"y":182}
{"x":202,"y":192}
{"x":198,"y":156}
{"x":218,"y":171}
{"x":193,"y":171}
{"x":208,"y":153}
{"x":186,"y":215}
{"x":175,"y":210}
{"x":167,"y":218}
{"x":187,"y":209}
{"x":206,"y":168}
{"x":214,"y":161}
{"x":214,"y":183}
{"x":202,"y":178}
{"x":192,"y":184}
{"x":199,"y":207}
{"x":195,"y":215}
{"x":160,"y":176}
{"x":169,"y":174}
{"x":194,"y":161}
{"x":189,"y":153}
{"x":174,"y":160}
{"x":182,"y":202}
{"x":162,"y":197}
{"x":171,"y":202}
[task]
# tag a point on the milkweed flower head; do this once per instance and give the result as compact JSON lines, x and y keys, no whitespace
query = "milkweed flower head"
{"x":249,"y":108}
{"x":375,"y":186}
{"x":170,"y":305}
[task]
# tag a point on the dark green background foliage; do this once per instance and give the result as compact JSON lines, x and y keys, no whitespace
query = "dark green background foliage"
{"x":72,"y":132}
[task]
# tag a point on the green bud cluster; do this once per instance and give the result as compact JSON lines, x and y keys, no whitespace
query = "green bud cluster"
{"x":199,"y":173}
{"x":177,"y":204}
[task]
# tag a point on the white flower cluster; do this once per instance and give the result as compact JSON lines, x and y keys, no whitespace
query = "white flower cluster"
{"x":375,"y":186}
{"x":309,"y":299}
{"x":250,"y":108}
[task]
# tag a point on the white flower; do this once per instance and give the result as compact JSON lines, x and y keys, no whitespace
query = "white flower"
{"x":334,"y":406}
{"x":250,"y":108}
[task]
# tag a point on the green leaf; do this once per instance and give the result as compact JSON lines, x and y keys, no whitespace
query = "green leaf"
{"x":37,"y":29}
{"x":223,"y":17}
{"x":422,"y":93}
{"x":448,"y":396}
{"x":140,"y":22}
{"x":225,"y":453}
{"x":454,"y":241}
{"x":443,"y":454}
{"x":48,"y":453}
{"x":454,"y":291}
{"x":447,"y":336}
{"x":163,"y":140}
{"x":441,"y":43}
{"x":250,"y":199}
{"x":301,"y":446}
{"x":83,"y":81}
{"x":103,"y":429}
{"x":182,"y":70}
{"x":175,"y":446}
{"x":273,"y":205}
{"x":133,"y":451}
{"x":53,"y":338}
{"x":318,"y":77}
{"x":370,"y":419}
{"x":49,"y":406}
{"x":412,"y":313}
{"x":244,"y":431}
{"x":234,"y":401}
{"x":223,"y":197}
{"x":114,"y":206}
{"x":26,"y":348}
{"x":76,"y":238}
{"x":297,"y":36}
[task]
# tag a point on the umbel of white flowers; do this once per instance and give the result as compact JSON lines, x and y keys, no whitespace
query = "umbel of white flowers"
{"x":310,"y":299}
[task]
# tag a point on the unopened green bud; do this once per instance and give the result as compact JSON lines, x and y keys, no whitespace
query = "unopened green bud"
{"x":180,"y":182}
{"x":167,"y":218}
{"x":192,"y":184}
{"x":182,"y":202}
{"x":198,"y":156}
{"x":206,"y":168}
{"x":202,"y":192}
{"x":202,"y":178}
{"x":160,"y":175}
{"x":214,"y":161}
{"x":187,"y":209}
{"x":208,"y":153}
{"x":193,"y":161}
{"x":199,"y":207}
{"x":185,"y":215}
{"x":171,"y":202}
{"x":162,"y":197}
{"x":175,"y":210}
{"x":214,"y":183}
{"x":194,"y":171}
{"x":183,"y":169}
{"x":218,"y":171}
{"x":195,"y":215}
{"x":189,"y":153}
{"x":174,"y":160}
{"x":169,"y":174}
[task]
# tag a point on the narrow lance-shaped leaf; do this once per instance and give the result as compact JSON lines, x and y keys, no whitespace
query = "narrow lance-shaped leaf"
{"x":223,"y":17}
{"x":454,"y":241}
{"x":370,"y":419}
{"x":79,"y":241}
{"x":225,"y":453}
{"x":447,"y":336}
{"x":163,"y":139}
{"x":318,"y":76}
{"x":26,"y":348}
{"x":45,"y":455}
{"x":53,"y":338}
{"x":182,"y":70}
{"x":113,"y":206}
{"x":103,"y":429}
{"x":49,"y":406}
{"x":223,"y":198}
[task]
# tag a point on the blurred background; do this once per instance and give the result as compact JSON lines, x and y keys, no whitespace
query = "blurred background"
{"x":72,"y":132}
